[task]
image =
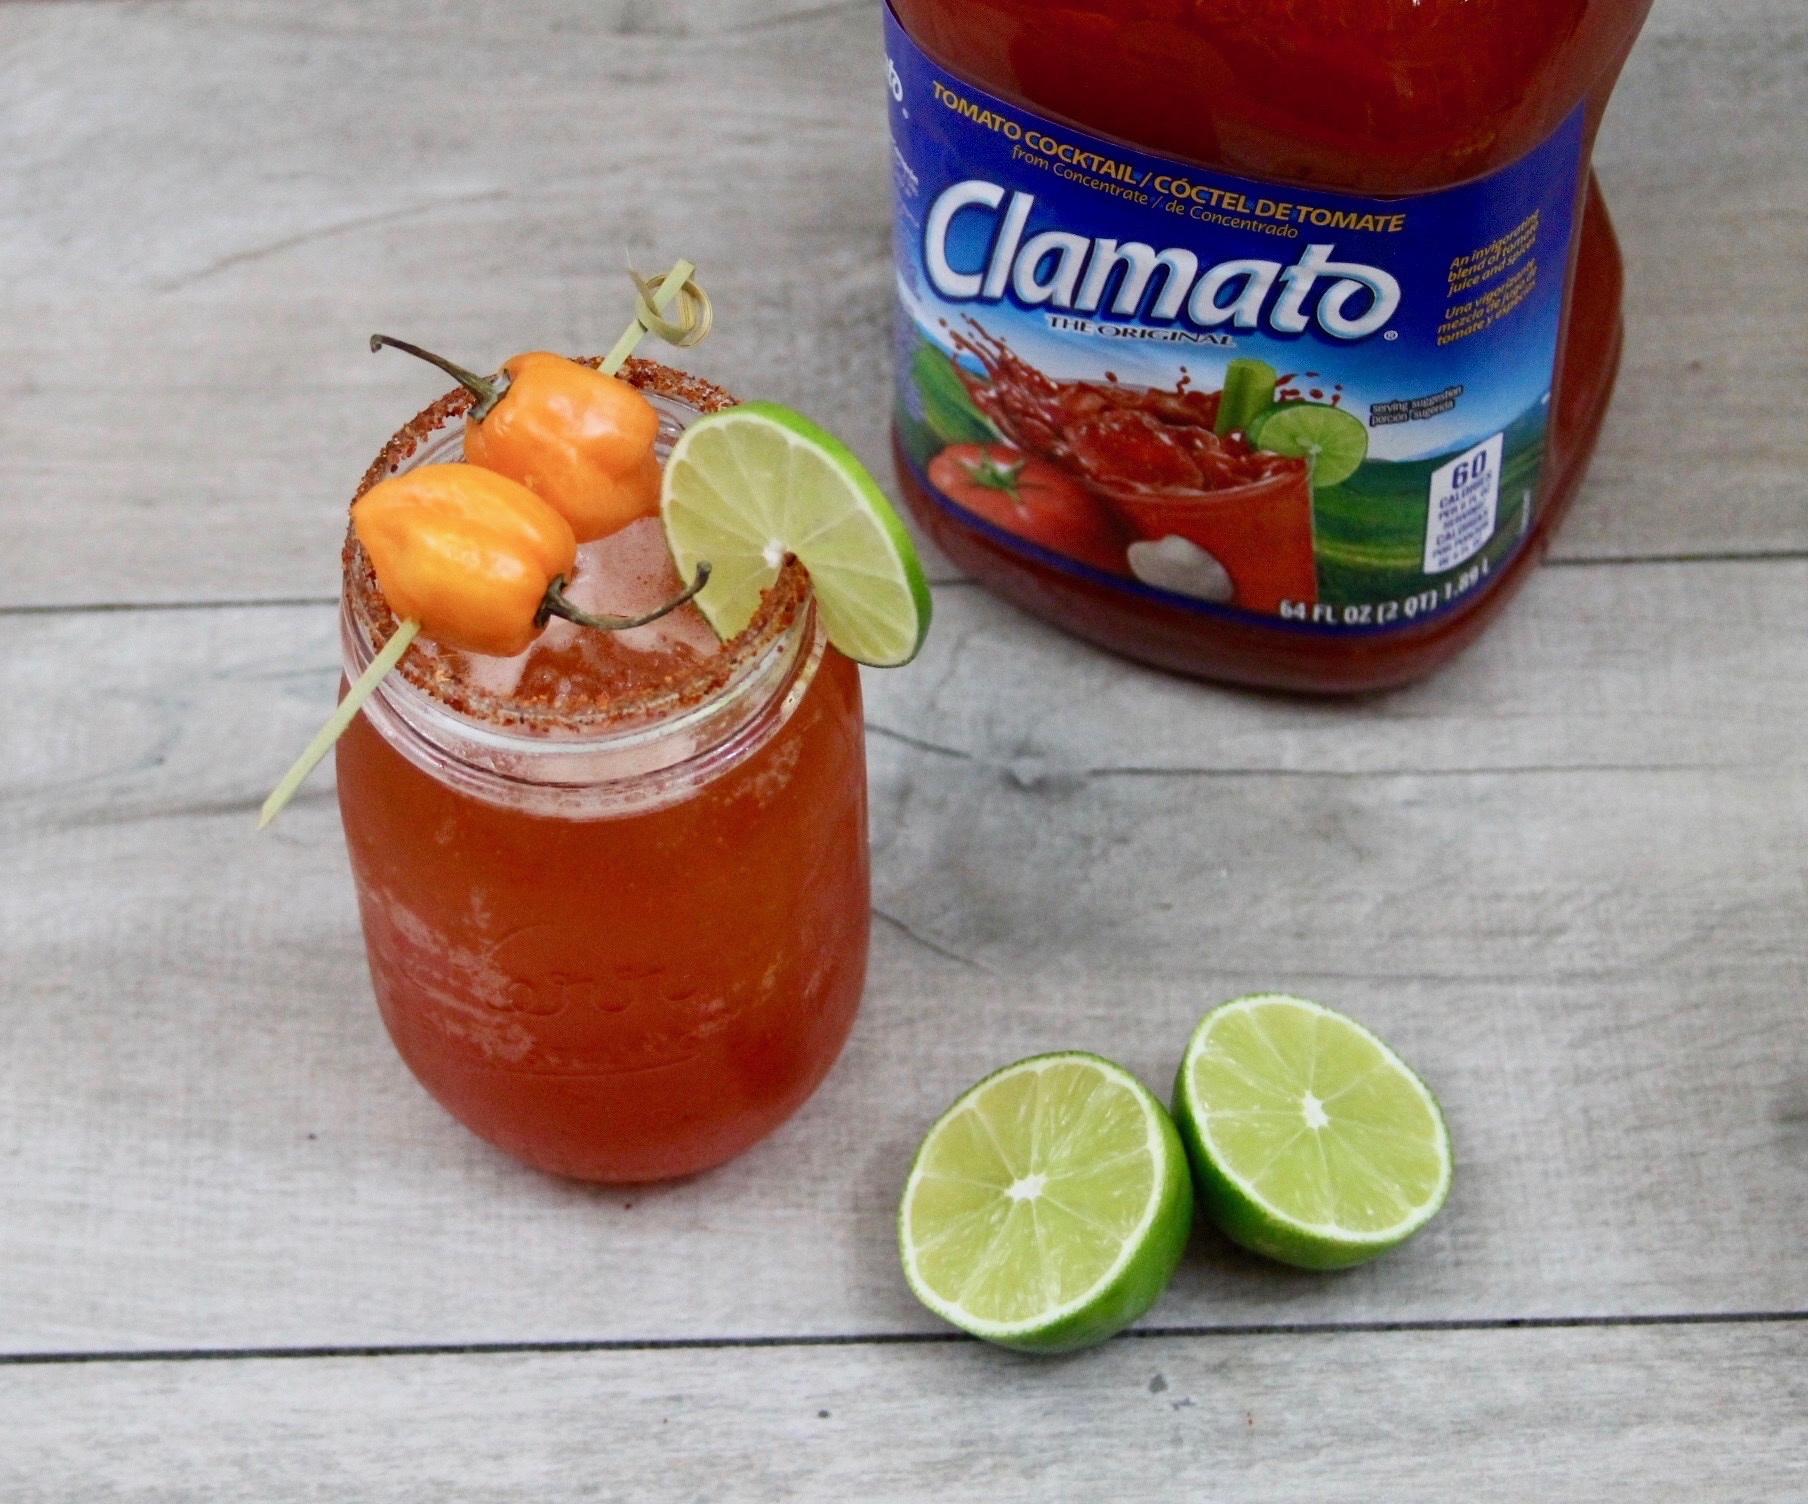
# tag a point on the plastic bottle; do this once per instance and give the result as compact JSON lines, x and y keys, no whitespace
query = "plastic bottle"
{"x":1110,"y":213}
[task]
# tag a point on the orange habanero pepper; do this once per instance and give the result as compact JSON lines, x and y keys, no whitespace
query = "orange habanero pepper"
{"x":477,"y":559}
{"x":466,"y":552}
{"x":579,"y":440}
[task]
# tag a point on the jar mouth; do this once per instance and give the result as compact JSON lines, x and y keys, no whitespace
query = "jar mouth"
{"x":437,"y":676}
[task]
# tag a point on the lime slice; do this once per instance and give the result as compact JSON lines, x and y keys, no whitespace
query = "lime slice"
{"x":1311,"y":1140}
{"x":1048,"y":1207}
{"x":746,"y":486}
{"x":1331,"y":441}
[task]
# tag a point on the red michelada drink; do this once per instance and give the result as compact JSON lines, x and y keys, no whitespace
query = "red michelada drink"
{"x":1262,"y":344}
{"x":608,"y":828}
{"x":614,"y":886}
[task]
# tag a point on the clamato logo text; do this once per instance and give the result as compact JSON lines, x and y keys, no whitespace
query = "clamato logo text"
{"x":1062,"y":270}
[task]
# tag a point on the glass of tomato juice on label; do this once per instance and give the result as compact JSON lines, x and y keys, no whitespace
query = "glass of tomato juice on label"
{"x":615,"y":890}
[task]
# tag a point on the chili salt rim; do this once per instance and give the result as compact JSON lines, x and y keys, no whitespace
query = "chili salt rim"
{"x":427,"y":670}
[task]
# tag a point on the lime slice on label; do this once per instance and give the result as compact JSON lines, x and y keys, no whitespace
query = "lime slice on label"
{"x":1311,"y":1140}
{"x":1331,"y":441}
{"x":1048,"y":1207}
{"x":748,"y":485}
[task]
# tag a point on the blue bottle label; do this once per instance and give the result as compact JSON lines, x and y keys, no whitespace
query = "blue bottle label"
{"x":1237,"y":396}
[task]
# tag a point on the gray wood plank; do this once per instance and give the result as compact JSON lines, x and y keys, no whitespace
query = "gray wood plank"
{"x":1567,"y":882}
{"x":197,"y":254}
{"x":1704,"y":159}
{"x":1655,"y":666}
{"x":1646,"y":1415}
{"x":210,"y":205}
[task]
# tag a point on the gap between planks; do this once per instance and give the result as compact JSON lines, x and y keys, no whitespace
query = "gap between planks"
{"x":1619,"y":561}
{"x":890,"y":1339}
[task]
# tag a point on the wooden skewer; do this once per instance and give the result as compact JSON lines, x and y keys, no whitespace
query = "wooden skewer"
{"x":661,"y":293}
{"x":338,"y":721}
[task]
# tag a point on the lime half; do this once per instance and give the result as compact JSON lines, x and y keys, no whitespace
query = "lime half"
{"x":1311,"y":1141}
{"x":1048,"y":1207}
{"x":1331,"y":441}
{"x":747,"y":486}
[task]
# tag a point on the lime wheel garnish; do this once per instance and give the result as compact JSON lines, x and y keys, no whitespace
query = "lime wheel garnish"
{"x":747,"y":487}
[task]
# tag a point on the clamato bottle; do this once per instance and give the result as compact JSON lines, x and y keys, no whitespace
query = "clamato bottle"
{"x":1263,"y":343}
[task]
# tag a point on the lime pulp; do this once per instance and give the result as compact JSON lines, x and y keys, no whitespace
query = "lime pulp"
{"x":745,"y":487}
{"x":1333,"y":442}
{"x":1311,"y":1141}
{"x":1048,"y":1207}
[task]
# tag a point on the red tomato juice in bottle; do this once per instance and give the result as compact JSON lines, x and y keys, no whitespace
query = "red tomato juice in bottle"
{"x":614,"y":891}
{"x":1262,"y":342}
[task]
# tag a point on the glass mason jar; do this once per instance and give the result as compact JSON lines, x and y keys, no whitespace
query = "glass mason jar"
{"x":625,"y":941}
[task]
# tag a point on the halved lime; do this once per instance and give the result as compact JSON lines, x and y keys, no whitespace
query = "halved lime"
{"x":1331,"y":441}
{"x":1311,"y":1141}
{"x":748,"y":485}
{"x":1048,"y":1207}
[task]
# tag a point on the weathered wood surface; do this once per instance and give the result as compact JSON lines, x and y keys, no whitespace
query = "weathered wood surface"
{"x":1567,"y":877}
{"x":1567,"y":880}
{"x":209,"y":206}
{"x":1642,"y":1415}
{"x":1704,"y":159}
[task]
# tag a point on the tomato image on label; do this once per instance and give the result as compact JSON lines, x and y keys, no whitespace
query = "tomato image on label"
{"x":1031,"y":499}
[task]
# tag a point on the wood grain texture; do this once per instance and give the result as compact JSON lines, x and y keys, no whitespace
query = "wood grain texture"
{"x":215,"y":204}
{"x":1566,"y":881}
{"x":211,"y":205}
{"x":1704,"y":159}
{"x":1566,"y":878}
{"x":1642,"y":1416}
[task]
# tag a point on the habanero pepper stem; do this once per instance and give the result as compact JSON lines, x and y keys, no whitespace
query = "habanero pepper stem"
{"x":654,"y":297}
{"x":554,"y":603}
{"x":488,"y":390}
